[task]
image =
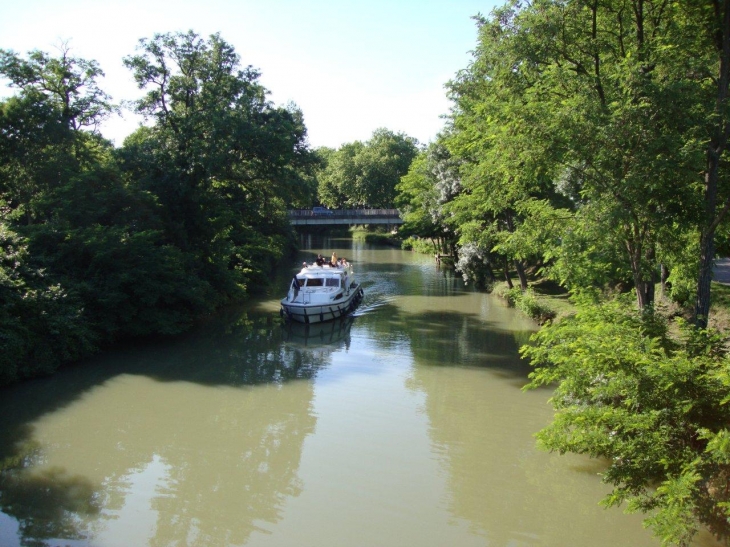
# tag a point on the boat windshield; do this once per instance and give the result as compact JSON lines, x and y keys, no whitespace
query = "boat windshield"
{"x":314,"y":282}
{"x":333,"y":282}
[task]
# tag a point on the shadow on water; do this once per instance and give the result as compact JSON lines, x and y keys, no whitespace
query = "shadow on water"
{"x":236,"y":350}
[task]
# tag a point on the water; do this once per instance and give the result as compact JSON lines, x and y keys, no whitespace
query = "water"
{"x":403,"y":425}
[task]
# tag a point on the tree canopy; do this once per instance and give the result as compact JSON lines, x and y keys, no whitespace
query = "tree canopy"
{"x":366,"y":174}
{"x":99,"y":243}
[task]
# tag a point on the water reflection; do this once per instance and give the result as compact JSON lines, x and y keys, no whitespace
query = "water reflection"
{"x":497,"y":481}
{"x":210,"y":426}
{"x":330,"y":334}
{"x":47,"y":504}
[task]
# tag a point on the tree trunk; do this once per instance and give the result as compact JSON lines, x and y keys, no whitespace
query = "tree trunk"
{"x":490,"y":271}
{"x":704,"y":279}
{"x":715,"y":150}
{"x":506,"y":274}
{"x":644,"y":293}
{"x":521,"y":274}
{"x":663,"y":279}
{"x":644,"y":288}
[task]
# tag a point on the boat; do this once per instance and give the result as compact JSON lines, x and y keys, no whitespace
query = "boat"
{"x":321,"y":293}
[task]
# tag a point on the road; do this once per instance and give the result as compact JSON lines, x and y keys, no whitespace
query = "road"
{"x":722,"y":271}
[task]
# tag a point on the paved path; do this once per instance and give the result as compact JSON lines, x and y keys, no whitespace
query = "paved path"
{"x":722,"y":271}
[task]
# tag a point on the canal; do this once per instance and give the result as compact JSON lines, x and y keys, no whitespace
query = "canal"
{"x":404,"y":425}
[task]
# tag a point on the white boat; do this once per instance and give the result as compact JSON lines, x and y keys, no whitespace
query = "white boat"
{"x":321,"y":293}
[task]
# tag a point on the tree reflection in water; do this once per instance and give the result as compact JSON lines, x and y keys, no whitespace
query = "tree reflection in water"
{"x":225,"y":411}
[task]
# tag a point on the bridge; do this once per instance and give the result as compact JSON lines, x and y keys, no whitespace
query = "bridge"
{"x":332,"y":217}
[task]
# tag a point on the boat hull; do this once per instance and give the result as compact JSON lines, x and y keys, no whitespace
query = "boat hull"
{"x":318,"y":313}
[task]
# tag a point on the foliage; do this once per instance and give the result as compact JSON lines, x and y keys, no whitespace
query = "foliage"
{"x":591,"y":143}
{"x":431,"y":182}
{"x":529,"y":303}
{"x":652,"y":407}
{"x":69,"y":83}
{"x":41,"y":325}
{"x":100,"y":244}
{"x":365,"y":174}
{"x":419,"y":245}
{"x":220,"y":158}
{"x":595,"y":110}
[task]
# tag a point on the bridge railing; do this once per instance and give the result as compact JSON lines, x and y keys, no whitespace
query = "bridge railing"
{"x":344,"y":213}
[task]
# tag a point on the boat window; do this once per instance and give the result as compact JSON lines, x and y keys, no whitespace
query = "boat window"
{"x":333,"y":282}
{"x":314,"y":282}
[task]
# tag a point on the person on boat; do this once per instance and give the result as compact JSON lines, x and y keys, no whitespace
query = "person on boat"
{"x":320,"y":260}
{"x":333,"y":260}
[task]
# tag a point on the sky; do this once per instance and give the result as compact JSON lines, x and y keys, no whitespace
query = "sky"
{"x":350,"y":66}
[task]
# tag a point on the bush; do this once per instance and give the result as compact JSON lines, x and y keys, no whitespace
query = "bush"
{"x":418,"y":245}
{"x":41,"y":325}
{"x":653,"y":407}
{"x":381,"y":239}
{"x":528,"y":303}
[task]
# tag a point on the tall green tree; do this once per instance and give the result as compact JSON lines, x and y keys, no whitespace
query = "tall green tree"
{"x":69,"y":83}
{"x":710,"y":30}
{"x":220,"y":158}
{"x":498,"y":130}
{"x":43,"y":143}
{"x":47,"y":146}
{"x":366,"y":174}
{"x":431,"y":182}
{"x":586,"y":94}
{"x":337,"y":180}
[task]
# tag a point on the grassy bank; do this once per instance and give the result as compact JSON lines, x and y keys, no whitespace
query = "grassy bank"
{"x":543,"y":301}
{"x":547,"y":301}
{"x":377,"y":236}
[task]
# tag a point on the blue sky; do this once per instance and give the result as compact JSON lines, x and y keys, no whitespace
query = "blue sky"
{"x":351,"y":67}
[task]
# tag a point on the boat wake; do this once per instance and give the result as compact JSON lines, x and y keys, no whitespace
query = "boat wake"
{"x":371,"y":303}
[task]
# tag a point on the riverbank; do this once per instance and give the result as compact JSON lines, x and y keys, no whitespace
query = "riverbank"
{"x":377,"y":237}
{"x":547,"y":301}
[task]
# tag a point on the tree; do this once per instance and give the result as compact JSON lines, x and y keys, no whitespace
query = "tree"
{"x":43,"y":143}
{"x":385,"y":158}
{"x":338,"y":179}
{"x":431,"y":182}
{"x":70,"y":83}
{"x":607,"y":98}
{"x":508,"y":160}
{"x":366,"y":174}
{"x":714,"y":23}
{"x":650,"y":406}
{"x":222,"y":160}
